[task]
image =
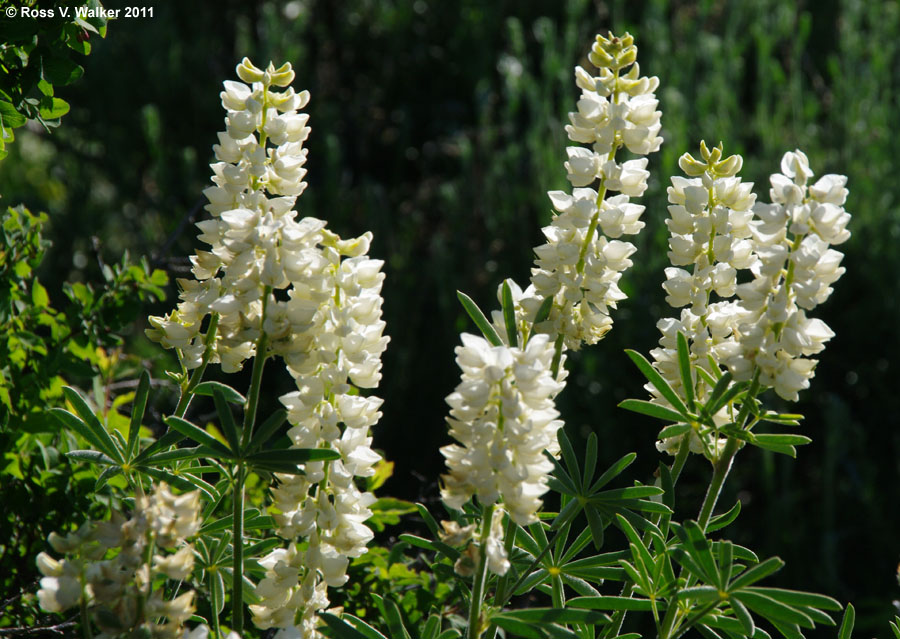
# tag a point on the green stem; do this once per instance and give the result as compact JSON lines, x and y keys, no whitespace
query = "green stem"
{"x":237,"y":584}
{"x":187,"y":392}
{"x":474,"y":629}
{"x":684,"y":450}
{"x":214,"y":600}
{"x":259,"y":361}
{"x":256,"y":378}
{"x":721,"y":468}
{"x":557,"y":355}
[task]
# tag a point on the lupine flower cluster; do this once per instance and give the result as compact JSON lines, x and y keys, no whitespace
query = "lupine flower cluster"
{"x":106,"y":567}
{"x":502,"y":412}
{"x":503,"y":415}
{"x":328,"y":331}
{"x":578,"y":266}
{"x":718,"y":229}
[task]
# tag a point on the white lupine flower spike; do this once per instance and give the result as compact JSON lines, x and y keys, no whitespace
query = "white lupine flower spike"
{"x":580,"y":265}
{"x":757,"y":329}
{"x":327,"y":328}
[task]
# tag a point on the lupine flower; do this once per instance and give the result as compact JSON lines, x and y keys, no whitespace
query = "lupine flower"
{"x":503,"y":416}
{"x":718,"y":229}
{"x":327,"y":328}
{"x":578,"y":266}
{"x":106,"y":567}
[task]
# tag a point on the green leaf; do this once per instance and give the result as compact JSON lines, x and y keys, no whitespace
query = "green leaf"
{"x":684,"y":368}
{"x":226,"y":419}
{"x":629,"y":492}
{"x":480,"y":320}
{"x":590,"y":459}
{"x":756,"y":573}
{"x":293,"y":456}
{"x":673,"y":430}
{"x":267,"y":430}
{"x":720,"y":521}
{"x":694,"y":542}
{"x":716,"y":397}
{"x":73,"y":423}
{"x":658,"y":382}
{"x":509,"y":314}
{"x":55,"y":108}
{"x":208,"y":389}
{"x":595,"y":523}
{"x":163,"y":475}
{"x":170,"y":438}
{"x":612,"y":603}
{"x":780,"y":443}
{"x":9,"y":117}
{"x":556,"y":615}
{"x":653,"y":410}
{"x":104,"y":441}
{"x":428,"y":544}
{"x":772,"y":609}
{"x":613,"y":471}
{"x":108,"y":473}
{"x":743,"y":616}
{"x":341,"y":629}
{"x":363,"y":627}
{"x":91,"y":456}
{"x":179,"y":454}
{"x":799,"y":598}
{"x":198,"y":435}
{"x":391,"y":614}
{"x":138,"y":406}
{"x":847,"y":622}
{"x":427,"y":518}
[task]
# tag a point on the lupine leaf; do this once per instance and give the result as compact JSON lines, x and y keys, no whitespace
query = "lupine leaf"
{"x":799,"y":598}
{"x":613,"y":471}
{"x":556,"y":615}
{"x":653,"y":410}
{"x":757,"y":572}
{"x":169,"y":439}
{"x":684,"y":368}
{"x":743,"y":616}
{"x":92,"y":457}
{"x":847,"y":623}
{"x":658,"y":382}
{"x":772,"y":609}
{"x":490,"y":334}
{"x":391,"y":614}
{"x":198,"y":435}
{"x":138,"y":406}
{"x":720,"y":521}
{"x":509,"y":314}
{"x":590,"y":460}
{"x":209,"y":388}
{"x":266,"y":430}
{"x":612,"y":603}
{"x":226,"y":419}
{"x":341,"y":629}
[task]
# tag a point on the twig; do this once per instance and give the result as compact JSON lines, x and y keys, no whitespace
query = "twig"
{"x":57,"y":630}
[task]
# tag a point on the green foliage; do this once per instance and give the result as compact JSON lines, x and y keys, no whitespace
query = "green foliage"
{"x":37,"y":54}
{"x":41,"y":346}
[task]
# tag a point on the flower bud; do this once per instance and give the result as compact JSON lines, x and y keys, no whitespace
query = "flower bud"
{"x":249,"y":73}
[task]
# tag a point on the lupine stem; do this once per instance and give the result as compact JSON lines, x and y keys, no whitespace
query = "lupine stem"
{"x":474,"y":630}
{"x":187,"y":392}
{"x":237,"y":590}
{"x":237,"y":583}
{"x":615,"y":627}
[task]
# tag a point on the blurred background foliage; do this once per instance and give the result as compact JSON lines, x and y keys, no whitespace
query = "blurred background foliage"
{"x":438,"y":124}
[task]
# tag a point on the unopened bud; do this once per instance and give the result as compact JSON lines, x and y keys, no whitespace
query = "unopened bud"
{"x":249,"y":73}
{"x":283,"y":75}
{"x":730,"y":166}
{"x":691,"y":166}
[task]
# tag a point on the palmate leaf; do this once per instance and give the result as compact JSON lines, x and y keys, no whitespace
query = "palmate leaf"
{"x":226,"y":419}
{"x":265,"y":432}
{"x":721,"y":521}
{"x":653,"y":410}
{"x":684,"y":369}
{"x":390,"y":613}
{"x":613,"y":603}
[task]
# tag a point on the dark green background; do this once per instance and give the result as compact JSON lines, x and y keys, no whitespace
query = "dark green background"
{"x":438,"y":125}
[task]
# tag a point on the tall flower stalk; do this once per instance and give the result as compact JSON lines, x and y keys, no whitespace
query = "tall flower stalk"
{"x":502,"y":413}
{"x":326,"y":326}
